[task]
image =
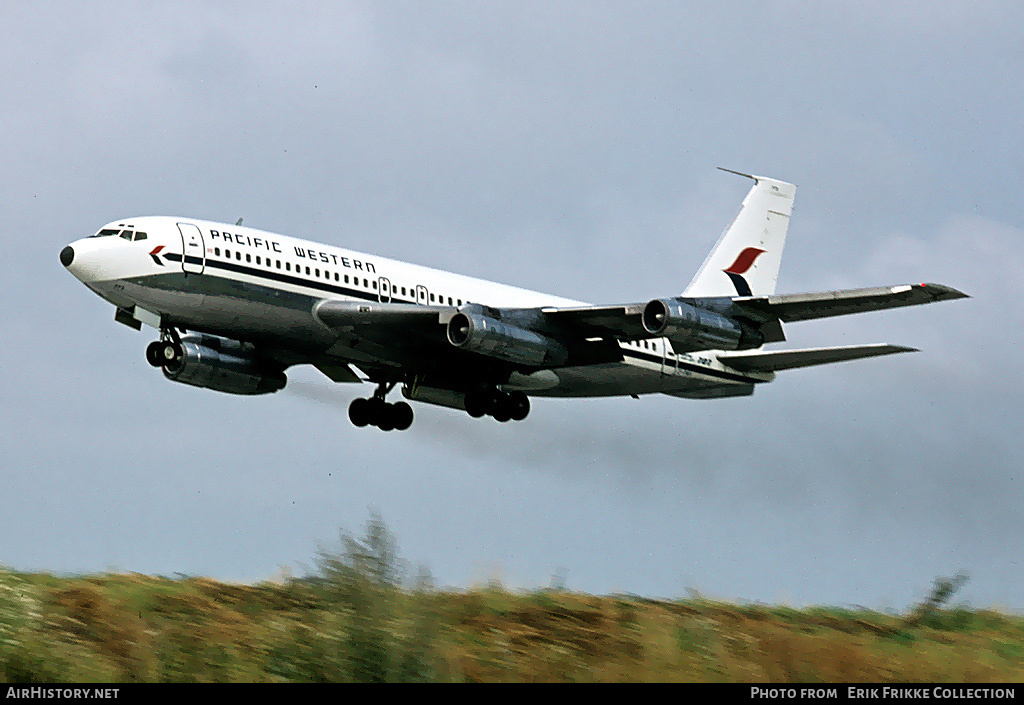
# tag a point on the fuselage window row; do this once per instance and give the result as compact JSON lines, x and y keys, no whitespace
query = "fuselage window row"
{"x":385,"y":287}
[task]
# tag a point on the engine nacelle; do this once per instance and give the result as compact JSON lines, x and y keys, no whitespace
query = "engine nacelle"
{"x":223,"y":365}
{"x":691,"y":328}
{"x":489,"y":336}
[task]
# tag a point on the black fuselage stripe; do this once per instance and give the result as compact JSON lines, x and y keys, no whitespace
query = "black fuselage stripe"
{"x":289,"y":279}
{"x":658,"y":360}
{"x":367,"y":296}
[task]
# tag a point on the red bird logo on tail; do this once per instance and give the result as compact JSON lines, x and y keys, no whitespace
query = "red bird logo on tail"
{"x":744,"y":261}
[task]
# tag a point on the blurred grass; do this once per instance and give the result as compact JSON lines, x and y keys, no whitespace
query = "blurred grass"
{"x":359,"y":618}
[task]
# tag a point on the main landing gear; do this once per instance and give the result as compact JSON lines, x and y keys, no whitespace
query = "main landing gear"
{"x":503,"y":406}
{"x":377,"y":412}
{"x":166,"y":352}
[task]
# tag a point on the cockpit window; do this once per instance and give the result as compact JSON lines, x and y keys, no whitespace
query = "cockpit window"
{"x":125,"y":233}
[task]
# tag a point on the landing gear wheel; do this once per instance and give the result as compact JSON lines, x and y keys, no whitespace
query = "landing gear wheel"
{"x":376,"y":409}
{"x":359,"y":412}
{"x":402,"y":415}
{"x":501,"y":409}
{"x":476,"y":406}
{"x":520,"y":404}
{"x":386,"y":417}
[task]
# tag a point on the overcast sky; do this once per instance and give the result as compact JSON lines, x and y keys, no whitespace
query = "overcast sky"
{"x":565,"y":147}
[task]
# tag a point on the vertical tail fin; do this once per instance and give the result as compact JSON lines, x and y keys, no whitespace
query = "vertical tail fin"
{"x":746,"y":259}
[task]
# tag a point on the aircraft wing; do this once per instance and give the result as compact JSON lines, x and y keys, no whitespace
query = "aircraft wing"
{"x":374,"y":335}
{"x":763,"y":313}
{"x":378,"y":333}
{"x":775,"y":360}
{"x":803,"y":307}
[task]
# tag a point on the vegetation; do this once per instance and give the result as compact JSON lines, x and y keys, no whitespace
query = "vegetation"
{"x":358,"y":618}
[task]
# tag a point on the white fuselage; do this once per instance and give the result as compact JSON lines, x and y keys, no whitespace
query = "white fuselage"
{"x":261,"y":287}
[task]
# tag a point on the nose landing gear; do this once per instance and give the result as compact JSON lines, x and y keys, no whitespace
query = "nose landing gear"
{"x":375,"y":411}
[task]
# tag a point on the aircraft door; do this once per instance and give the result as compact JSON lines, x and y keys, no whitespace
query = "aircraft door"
{"x":193,"y":252}
{"x":383,"y":290}
{"x":421,"y":294}
{"x":669,"y":361}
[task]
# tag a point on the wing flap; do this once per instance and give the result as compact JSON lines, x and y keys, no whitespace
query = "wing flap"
{"x":775,"y":360}
{"x":620,"y":321}
{"x":337,"y":371}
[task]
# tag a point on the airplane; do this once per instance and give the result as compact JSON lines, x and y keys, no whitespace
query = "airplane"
{"x":236,"y":307}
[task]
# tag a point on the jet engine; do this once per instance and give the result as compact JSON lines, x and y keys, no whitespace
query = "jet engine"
{"x":489,"y":336}
{"x":222,"y":365}
{"x":692,"y":328}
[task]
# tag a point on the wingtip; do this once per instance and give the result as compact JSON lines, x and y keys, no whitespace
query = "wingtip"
{"x":941,"y":292}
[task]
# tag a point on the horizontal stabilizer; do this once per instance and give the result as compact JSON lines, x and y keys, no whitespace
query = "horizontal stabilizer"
{"x":803,"y":307}
{"x":774,"y":360}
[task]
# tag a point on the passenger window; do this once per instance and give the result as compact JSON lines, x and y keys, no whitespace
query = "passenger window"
{"x":278,"y":264}
{"x":216,"y":251}
{"x":431,"y":298}
{"x":365,"y":283}
{"x":336,"y":277}
{"x":374,"y":284}
{"x":238,"y":256}
{"x":140,"y":236}
{"x":449,"y":301}
{"x":346,"y":279}
{"x":248,"y":258}
{"x":307,"y":271}
{"x":258,"y":260}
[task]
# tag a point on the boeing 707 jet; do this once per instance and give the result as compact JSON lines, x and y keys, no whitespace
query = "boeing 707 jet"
{"x":236,"y":307}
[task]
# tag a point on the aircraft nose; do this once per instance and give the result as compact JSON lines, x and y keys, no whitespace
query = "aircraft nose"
{"x":67,"y":256}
